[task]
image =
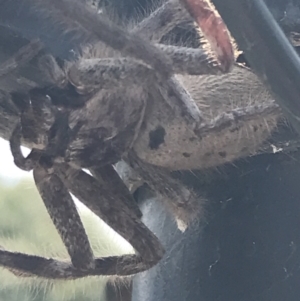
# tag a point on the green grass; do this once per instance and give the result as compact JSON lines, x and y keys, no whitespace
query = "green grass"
{"x":26,"y":227}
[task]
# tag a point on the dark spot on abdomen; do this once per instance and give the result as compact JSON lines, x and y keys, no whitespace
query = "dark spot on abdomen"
{"x":222,"y":154}
{"x":156,"y":137}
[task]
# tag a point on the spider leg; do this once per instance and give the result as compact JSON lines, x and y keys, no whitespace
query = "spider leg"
{"x":31,"y":56}
{"x":65,"y":217}
{"x":25,"y":265}
{"x":191,"y":61}
{"x":179,"y":199}
{"x":129,"y":177}
{"x":58,"y":202}
{"x":61,"y":209}
{"x":110,"y":178}
{"x":113,"y":211}
{"x":187,"y":60}
{"x":188,"y":110}
{"x":21,"y":57}
{"x":89,"y":75}
{"x":76,"y":14}
{"x":20,"y":161}
{"x":133,"y":44}
{"x":93,"y":74}
{"x":119,"y":217}
{"x":163,"y":20}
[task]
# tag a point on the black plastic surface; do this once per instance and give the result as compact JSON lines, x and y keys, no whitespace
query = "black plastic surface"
{"x":248,"y":250}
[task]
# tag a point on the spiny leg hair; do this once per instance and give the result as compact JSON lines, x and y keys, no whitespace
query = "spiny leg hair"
{"x":54,"y":183}
{"x":55,"y":180}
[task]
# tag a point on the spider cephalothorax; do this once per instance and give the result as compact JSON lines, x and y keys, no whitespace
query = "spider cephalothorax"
{"x":123,"y":103}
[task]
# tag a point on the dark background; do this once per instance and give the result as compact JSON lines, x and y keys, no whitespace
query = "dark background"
{"x":248,"y":249}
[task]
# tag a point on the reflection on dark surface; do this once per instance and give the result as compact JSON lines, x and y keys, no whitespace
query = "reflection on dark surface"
{"x":247,"y":250}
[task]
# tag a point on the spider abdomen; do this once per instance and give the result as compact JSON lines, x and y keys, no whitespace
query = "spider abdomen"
{"x":239,"y":115}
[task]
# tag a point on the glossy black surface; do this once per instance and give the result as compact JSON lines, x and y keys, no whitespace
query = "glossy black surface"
{"x":267,"y":50}
{"x":248,"y":249}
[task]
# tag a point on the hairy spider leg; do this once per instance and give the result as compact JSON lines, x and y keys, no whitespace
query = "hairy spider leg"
{"x":120,"y":218}
{"x":58,"y":202}
{"x":111,"y":179}
{"x":74,"y":13}
{"x":21,"y":57}
{"x":183,"y":202}
{"x":163,"y":20}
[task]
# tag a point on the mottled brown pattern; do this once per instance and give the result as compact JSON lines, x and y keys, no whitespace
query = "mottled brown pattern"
{"x":65,"y":217}
{"x":122,"y":94}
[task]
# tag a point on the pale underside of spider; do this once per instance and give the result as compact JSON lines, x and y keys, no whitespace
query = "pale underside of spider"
{"x":112,"y":107}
